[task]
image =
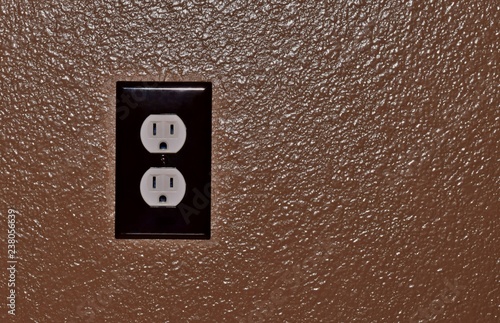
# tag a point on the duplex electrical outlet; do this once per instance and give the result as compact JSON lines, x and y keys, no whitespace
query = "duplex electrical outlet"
{"x":163,"y":160}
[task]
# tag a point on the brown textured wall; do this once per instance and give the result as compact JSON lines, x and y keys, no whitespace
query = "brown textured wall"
{"x":355,"y":160}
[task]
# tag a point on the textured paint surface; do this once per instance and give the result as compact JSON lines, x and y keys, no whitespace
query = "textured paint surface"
{"x":355,"y":167}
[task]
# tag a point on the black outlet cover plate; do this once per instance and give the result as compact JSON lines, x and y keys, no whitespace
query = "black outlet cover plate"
{"x":192,"y":102}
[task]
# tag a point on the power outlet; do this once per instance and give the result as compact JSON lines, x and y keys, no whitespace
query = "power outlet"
{"x":163,"y":133}
{"x":163,"y":187}
{"x":163,"y":160}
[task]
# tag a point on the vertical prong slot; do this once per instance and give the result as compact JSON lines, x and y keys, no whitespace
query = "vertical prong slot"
{"x":171,"y":129}
{"x":171,"y":182}
{"x":154,"y":128}
{"x":154,"y":181}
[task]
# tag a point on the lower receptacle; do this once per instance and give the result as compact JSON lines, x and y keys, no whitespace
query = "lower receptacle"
{"x":163,"y":187}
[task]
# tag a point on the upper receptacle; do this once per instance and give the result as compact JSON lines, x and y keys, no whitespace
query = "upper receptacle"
{"x":163,"y":133}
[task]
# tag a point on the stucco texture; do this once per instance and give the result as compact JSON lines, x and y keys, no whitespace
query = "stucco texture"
{"x":355,"y":160}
